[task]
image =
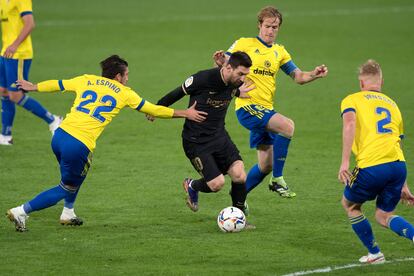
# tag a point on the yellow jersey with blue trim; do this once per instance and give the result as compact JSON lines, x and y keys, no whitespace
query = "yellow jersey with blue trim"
{"x":11,"y":13}
{"x":379,"y":128}
{"x":266,"y":62}
{"x":98,"y":100}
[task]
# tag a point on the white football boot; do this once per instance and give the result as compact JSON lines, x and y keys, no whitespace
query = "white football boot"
{"x":68,"y":217}
{"x":18,"y":216}
{"x":373,"y":258}
{"x":6,"y":140}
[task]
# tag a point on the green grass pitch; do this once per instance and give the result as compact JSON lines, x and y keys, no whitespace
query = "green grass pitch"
{"x":136,"y":221}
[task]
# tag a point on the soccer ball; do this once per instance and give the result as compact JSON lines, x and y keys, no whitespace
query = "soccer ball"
{"x":231,"y":219}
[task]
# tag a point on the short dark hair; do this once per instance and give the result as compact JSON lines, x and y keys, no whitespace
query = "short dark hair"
{"x":239,"y":58}
{"x":112,"y":66}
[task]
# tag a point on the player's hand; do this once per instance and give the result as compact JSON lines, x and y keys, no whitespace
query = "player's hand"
{"x":219,"y":58}
{"x":406,"y":196}
{"x":245,"y":88}
{"x":26,"y":85}
{"x":195,"y":115}
{"x":320,"y":71}
{"x":150,"y":117}
{"x":344,"y":175}
{"x":10,"y":51}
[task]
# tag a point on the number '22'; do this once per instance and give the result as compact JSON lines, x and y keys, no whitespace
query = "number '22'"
{"x":91,"y":97}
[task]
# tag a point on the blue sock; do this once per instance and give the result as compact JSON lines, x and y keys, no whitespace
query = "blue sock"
{"x":402,"y":227}
{"x":254,"y":177}
{"x":280,"y":150}
{"x":362,"y":228}
{"x":36,"y":108}
{"x":70,"y":199}
{"x":45,"y":199}
{"x":8,"y":110}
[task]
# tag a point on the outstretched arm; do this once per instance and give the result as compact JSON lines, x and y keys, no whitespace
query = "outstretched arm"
{"x":164,"y":112}
{"x":44,"y":86}
{"x":302,"y":77}
{"x":348,"y":135}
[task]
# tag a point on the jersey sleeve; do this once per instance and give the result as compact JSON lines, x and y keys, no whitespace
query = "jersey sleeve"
{"x":347,"y":105}
{"x":24,"y":7}
{"x":70,"y":84}
{"x":286,"y":64}
{"x":238,"y":45}
{"x":192,"y":84}
{"x":136,"y":102}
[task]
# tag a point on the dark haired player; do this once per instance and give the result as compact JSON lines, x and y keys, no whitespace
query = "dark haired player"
{"x":207,"y":144}
{"x":98,"y":100}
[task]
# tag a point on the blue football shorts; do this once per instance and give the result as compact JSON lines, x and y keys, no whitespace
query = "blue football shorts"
{"x":11,"y":70}
{"x":383,"y":182}
{"x":255,"y":118}
{"x":73,"y":156}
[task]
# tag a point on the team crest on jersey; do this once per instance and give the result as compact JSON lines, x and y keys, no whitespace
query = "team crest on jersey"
{"x":267,"y":64}
{"x":189,"y":81}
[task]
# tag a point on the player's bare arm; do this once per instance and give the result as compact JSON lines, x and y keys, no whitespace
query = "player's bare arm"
{"x":348,"y":135}
{"x":28,"y":26}
{"x":26,"y":85}
{"x":245,"y":88}
{"x":302,"y":77}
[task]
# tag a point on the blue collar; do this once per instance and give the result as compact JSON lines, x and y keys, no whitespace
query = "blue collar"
{"x":264,"y":43}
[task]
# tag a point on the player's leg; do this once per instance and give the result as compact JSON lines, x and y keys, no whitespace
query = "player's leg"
{"x":238,"y":187}
{"x":364,"y":186}
{"x":19,"y":69}
{"x":282,"y":129}
{"x":73,"y":166}
{"x":8,"y":108}
{"x":389,"y":198}
{"x":255,"y":119}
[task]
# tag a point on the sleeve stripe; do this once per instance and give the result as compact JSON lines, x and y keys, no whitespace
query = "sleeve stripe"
{"x":402,"y":136}
{"x":140,"y":105}
{"x":228,"y":53}
{"x":348,"y":110}
{"x":288,"y":67}
{"x":185,"y":92}
{"x":25,"y":13}
{"x":61,"y":85}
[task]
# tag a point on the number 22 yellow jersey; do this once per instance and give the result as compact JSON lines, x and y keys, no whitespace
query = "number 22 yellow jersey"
{"x":98,"y":100}
{"x":379,"y":128}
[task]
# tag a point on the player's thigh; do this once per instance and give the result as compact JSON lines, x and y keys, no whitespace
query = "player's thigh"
{"x":73,"y":156}
{"x":362,"y":187}
{"x":396,"y":174}
{"x":202,"y":160}
{"x":226,"y":153}
{"x":16,"y":69}
{"x":279,"y":123}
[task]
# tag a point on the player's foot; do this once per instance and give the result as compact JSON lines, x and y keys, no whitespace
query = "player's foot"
{"x":249,"y":226}
{"x":55,"y":124}
{"x":373,"y":258}
{"x":68,"y":217}
{"x":278,"y":185}
{"x":192,"y":196}
{"x":18,"y":217}
{"x":246,"y":210}
{"x":6,"y":140}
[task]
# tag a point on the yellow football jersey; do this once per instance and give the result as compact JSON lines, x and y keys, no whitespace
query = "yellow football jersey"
{"x":266,"y":61}
{"x":98,"y":100}
{"x":11,"y":12}
{"x":379,"y":128}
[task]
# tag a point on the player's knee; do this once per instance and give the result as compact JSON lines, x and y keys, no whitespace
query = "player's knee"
{"x":289,"y":129}
{"x":239,"y":177}
{"x":217,"y":183}
{"x":15,"y":96}
{"x":382,"y":217}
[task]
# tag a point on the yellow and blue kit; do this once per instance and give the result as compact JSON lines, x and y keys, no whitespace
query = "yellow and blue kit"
{"x":381,"y":169}
{"x":98,"y":100}
{"x":379,"y":128}
{"x":11,"y":12}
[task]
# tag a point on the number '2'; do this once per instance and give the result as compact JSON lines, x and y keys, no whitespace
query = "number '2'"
{"x":381,"y":123}
{"x":91,"y":97}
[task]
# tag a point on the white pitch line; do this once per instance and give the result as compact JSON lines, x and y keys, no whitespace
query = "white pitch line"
{"x":333,"y":268}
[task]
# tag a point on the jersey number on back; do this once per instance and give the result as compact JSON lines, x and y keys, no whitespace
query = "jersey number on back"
{"x":91,"y":97}
{"x":381,"y":123}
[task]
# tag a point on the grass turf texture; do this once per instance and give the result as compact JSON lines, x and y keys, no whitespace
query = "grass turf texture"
{"x":136,"y":221}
